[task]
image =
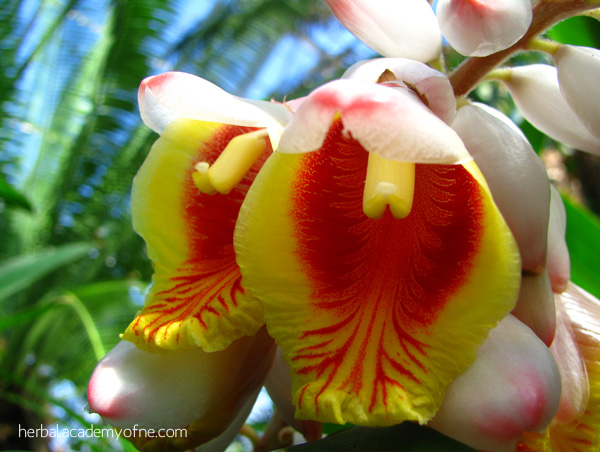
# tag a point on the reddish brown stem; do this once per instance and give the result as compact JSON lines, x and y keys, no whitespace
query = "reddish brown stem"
{"x":546,"y":13}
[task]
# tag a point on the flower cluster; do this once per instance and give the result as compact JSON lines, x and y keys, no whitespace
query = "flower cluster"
{"x":370,"y":253}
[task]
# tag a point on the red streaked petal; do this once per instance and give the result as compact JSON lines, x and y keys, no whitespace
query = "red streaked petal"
{"x":375,"y":317}
{"x":196,"y":298}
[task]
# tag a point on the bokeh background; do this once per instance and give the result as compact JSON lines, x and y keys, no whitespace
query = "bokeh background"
{"x":72,"y":271}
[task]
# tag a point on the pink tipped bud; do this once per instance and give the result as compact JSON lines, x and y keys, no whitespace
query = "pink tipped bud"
{"x":406,"y":28}
{"x":513,"y":386}
{"x":483,"y":27}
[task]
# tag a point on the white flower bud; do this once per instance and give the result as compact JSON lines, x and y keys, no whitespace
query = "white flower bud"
{"x":406,"y":28}
{"x":579,"y":76}
{"x":483,"y":27}
{"x":515,"y":174}
{"x":536,"y":92}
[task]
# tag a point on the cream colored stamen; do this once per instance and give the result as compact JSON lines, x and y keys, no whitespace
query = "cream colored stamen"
{"x":388,"y":183}
{"x":232,"y":165}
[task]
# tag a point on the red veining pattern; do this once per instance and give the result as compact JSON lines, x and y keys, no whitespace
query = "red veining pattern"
{"x":377,"y":282}
{"x":209,"y":280}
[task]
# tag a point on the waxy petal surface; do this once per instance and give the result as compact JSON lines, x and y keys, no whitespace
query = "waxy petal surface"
{"x":406,"y":29}
{"x":482,"y":27}
{"x":535,"y":90}
{"x":432,"y":87}
{"x":192,"y":389}
{"x":535,"y":307}
{"x":196,"y":298}
{"x":375,"y":317}
{"x":171,"y":95}
{"x":559,"y":262}
{"x":513,"y":171}
{"x":578,"y":73}
{"x":391,"y":122}
{"x":514,"y":385}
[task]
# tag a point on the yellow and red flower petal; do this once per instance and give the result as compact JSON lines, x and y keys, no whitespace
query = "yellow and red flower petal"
{"x":375,"y":317}
{"x":196,"y":298}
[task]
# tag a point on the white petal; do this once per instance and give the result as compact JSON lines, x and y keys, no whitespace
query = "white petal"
{"x":432,"y":86}
{"x":130,"y":386}
{"x":482,"y":27}
{"x":165,"y":97}
{"x":514,"y":385}
{"x":575,"y":384}
{"x":578,"y":75}
{"x":536,"y":92}
{"x":516,"y":176}
{"x":279,"y":386}
{"x":406,"y":28}
{"x":391,"y":122}
{"x":559,"y":262}
{"x":535,"y":306}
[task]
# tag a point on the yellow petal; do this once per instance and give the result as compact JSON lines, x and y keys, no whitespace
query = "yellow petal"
{"x":196,"y":298}
{"x":375,"y":316}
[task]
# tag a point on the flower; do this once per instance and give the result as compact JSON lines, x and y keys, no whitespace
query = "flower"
{"x":362,"y":351}
{"x":380,"y":243}
{"x":196,"y":298}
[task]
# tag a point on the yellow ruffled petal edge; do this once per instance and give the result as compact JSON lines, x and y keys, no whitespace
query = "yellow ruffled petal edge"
{"x":352,"y":359}
{"x":196,"y":298}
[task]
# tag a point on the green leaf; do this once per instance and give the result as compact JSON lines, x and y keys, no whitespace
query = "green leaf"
{"x":24,"y":316}
{"x":583,"y":232}
{"x":12,"y":197}
{"x":579,"y":30}
{"x":404,"y":437}
{"x":22,"y":271}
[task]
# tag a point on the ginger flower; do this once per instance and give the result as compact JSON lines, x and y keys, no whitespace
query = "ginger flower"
{"x":401,"y":254}
{"x":369,"y":243}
